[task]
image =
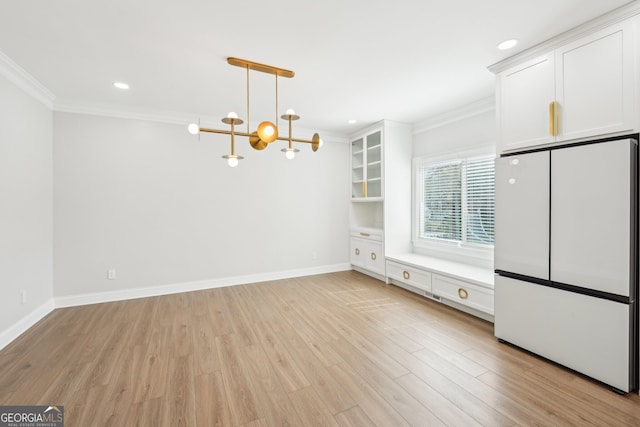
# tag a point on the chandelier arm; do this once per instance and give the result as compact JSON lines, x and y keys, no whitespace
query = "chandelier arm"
{"x":306,"y":141}
{"x":246,"y":134}
{"x":224,"y":132}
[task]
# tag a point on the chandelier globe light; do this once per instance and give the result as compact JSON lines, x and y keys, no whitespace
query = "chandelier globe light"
{"x":266,"y":132}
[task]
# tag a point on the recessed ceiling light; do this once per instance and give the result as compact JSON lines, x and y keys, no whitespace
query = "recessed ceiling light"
{"x":352,"y":121}
{"x":121,"y":85}
{"x":507,"y":44}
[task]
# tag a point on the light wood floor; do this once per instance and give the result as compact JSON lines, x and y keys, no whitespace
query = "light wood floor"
{"x":337,"y":349}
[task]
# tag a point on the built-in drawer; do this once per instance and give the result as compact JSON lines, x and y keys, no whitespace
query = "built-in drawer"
{"x":464,"y":293}
{"x":410,"y":275}
{"x":367,"y":233}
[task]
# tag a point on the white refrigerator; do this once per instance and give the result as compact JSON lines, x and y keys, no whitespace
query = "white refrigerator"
{"x":566,"y":257}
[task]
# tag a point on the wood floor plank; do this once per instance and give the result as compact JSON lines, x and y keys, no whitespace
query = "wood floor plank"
{"x":340,"y":349}
{"x":275,"y":404}
{"x":385,"y":363}
{"x":354,"y":417}
{"x":180,"y":396}
{"x":442,"y":408}
{"x":206,"y":359}
{"x":151,"y":376}
{"x":367,"y":398}
{"x":466,"y":364}
{"x":212,"y":408}
{"x":332,"y":393}
{"x":406,"y":404}
{"x":290,"y":375}
{"x":311,"y":410}
{"x":147,"y":413}
{"x":237,"y":384}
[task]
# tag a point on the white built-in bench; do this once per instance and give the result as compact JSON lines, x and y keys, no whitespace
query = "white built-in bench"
{"x":463,"y":286}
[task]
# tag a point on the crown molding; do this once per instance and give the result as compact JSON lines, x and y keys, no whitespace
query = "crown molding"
{"x":120,"y":112}
{"x":162,"y":116}
{"x":25,"y":81}
{"x":617,"y":15}
{"x":481,"y":106}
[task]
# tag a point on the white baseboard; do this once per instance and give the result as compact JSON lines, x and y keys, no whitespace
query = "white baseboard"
{"x":25,"y":323}
{"x":126,"y":294}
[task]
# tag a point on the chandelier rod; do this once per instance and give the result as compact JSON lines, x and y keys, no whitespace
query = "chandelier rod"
{"x":248,"y":120}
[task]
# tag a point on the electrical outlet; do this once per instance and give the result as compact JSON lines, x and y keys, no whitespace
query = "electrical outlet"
{"x":111,"y":275}
{"x":23,"y":297}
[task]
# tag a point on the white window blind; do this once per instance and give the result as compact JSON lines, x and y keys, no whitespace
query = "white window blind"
{"x":458,"y":199}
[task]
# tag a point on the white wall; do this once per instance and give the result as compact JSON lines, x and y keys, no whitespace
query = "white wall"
{"x":470,"y":133}
{"x":26,"y":192}
{"x":160,"y":207}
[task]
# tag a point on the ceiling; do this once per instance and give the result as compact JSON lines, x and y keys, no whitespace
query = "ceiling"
{"x":403,"y":60}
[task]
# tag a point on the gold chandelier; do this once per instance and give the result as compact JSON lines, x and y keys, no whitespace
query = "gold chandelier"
{"x":267,"y":132}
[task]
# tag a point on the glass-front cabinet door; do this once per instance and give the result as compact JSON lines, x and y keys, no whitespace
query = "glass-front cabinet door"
{"x":366,"y":166}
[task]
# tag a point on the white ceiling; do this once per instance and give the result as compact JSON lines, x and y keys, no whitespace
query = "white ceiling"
{"x":403,"y":60}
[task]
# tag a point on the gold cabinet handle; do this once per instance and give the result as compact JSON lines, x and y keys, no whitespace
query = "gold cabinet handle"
{"x":406,"y":275}
{"x":364,"y":189}
{"x":357,"y":251}
{"x":462,"y":293}
{"x":365,"y":234}
{"x":373,"y":256}
{"x":554,"y":108}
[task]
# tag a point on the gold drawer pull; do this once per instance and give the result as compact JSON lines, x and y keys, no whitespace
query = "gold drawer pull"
{"x":373,"y":256}
{"x":365,"y":234}
{"x":357,"y":251}
{"x":462,"y":293}
{"x":406,"y":275}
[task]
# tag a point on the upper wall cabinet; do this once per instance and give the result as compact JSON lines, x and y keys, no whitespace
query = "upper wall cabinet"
{"x":582,"y":89}
{"x":366,"y":166}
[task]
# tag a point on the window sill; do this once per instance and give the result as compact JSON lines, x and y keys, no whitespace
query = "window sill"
{"x":475,"y":255}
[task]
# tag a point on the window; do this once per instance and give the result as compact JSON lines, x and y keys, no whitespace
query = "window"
{"x":456,"y":200}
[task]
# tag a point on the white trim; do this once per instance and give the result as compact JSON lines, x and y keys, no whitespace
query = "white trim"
{"x":126,"y":294}
{"x":25,"y":81}
{"x":481,"y":106}
{"x":380,"y":124}
{"x":624,"y":12}
{"x":22,"y":325}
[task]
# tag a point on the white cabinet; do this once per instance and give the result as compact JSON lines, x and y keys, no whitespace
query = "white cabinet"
{"x":380,"y":208}
{"x":464,"y":293}
{"x":463,"y":286}
{"x":368,"y":254}
{"x":595,"y":84}
{"x":583,"y":89}
{"x":366,"y":166}
{"x":524,"y":94}
{"x":409,"y":275}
